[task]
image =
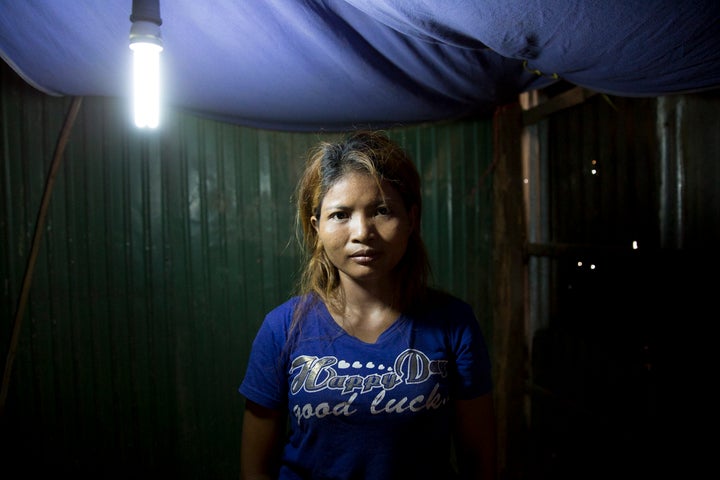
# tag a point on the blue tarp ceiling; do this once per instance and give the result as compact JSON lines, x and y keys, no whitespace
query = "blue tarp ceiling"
{"x":304,"y":65}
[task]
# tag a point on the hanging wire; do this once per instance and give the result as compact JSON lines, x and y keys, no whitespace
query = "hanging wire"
{"x":39,"y":228}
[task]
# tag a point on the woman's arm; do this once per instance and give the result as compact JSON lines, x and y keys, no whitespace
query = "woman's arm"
{"x":475,"y":438}
{"x":261,"y":442}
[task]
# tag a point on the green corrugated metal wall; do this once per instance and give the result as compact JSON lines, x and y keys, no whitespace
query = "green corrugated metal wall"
{"x":160,"y":256}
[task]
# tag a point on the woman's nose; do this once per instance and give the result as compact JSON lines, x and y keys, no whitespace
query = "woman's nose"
{"x":362,"y":228}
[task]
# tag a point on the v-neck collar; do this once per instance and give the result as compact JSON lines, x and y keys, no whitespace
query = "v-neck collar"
{"x":342,"y":333}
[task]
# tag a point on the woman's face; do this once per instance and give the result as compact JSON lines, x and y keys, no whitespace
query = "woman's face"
{"x":363,"y":232}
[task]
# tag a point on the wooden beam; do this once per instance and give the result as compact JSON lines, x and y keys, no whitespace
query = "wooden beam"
{"x":565,"y":100}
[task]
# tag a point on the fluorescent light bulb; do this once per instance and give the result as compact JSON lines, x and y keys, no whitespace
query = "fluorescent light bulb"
{"x":146,"y":83}
{"x":146,"y":45}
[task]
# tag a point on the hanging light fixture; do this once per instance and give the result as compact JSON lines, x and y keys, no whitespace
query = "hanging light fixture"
{"x":146,"y":45}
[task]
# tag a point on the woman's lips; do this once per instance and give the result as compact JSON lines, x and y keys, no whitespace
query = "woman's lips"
{"x":364,"y":257}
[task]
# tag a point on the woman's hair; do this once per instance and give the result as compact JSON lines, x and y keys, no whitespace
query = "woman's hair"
{"x":374,"y":154}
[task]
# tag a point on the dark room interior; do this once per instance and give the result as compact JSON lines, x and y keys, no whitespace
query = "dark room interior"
{"x":569,"y":157}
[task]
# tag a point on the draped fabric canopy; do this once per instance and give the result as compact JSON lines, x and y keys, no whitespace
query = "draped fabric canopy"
{"x":308,"y":65}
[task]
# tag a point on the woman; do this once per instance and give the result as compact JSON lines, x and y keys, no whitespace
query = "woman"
{"x":367,"y":373}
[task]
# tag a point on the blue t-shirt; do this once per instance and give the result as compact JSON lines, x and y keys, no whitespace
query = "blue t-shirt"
{"x":368,"y":411}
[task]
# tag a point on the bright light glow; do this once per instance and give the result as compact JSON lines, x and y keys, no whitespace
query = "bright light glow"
{"x":146,"y":83}
{"x":635,"y":245}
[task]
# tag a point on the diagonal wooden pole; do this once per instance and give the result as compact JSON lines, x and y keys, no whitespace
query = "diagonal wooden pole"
{"x":39,"y":228}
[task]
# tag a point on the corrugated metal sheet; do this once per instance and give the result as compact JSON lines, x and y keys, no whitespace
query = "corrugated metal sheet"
{"x":624,"y":327}
{"x":160,"y":256}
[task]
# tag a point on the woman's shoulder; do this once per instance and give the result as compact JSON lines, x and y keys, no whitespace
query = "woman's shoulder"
{"x":285,"y":307}
{"x":437,"y":300}
{"x":285,"y":312}
{"x":442,"y":309}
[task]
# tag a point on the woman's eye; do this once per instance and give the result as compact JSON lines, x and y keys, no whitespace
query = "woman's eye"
{"x":383,"y":210}
{"x":338,"y":215}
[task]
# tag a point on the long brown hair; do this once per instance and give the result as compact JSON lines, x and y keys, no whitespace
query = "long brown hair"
{"x":372,"y":153}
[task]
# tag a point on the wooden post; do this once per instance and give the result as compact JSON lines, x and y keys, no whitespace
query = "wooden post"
{"x":509,"y":338}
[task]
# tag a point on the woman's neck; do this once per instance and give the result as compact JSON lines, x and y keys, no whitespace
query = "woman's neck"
{"x":366,"y":312}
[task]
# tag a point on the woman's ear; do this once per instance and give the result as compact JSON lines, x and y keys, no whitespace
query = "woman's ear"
{"x":314,"y":222}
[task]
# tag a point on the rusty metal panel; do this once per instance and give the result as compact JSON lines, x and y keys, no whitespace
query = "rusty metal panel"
{"x":161,"y":254}
{"x":636,"y":169}
{"x":622,"y":326}
{"x":604,"y":184}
